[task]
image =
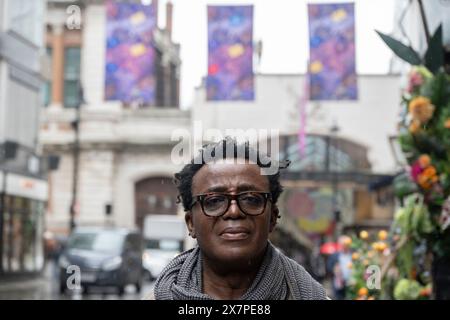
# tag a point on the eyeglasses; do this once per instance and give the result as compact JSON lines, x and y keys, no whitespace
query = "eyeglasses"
{"x":251,"y":203}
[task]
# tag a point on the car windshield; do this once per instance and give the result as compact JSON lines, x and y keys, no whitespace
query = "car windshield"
{"x":107,"y":242}
{"x":165,"y":245}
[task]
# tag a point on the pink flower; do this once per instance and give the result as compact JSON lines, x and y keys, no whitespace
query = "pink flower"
{"x":445,"y":215}
{"x":415,"y":81}
{"x":416,"y":170}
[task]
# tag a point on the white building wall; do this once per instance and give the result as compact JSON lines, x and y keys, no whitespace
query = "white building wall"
{"x":93,"y":54}
{"x":60,"y":193}
{"x":369,"y":121}
{"x":95,"y":185}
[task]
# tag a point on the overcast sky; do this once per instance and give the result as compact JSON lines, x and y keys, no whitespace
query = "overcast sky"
{"x":282,"y":25}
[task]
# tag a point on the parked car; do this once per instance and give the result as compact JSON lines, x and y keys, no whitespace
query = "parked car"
{"x":106,"y":257}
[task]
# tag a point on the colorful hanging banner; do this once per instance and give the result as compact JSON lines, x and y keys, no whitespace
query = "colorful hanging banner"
{"x":230,"y":53}
{"x":332,"y":52}
{"x":130,"y":55}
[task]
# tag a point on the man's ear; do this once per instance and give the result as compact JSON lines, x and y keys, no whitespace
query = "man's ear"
{"x":274,"y":217}
{"x":190,"y":224}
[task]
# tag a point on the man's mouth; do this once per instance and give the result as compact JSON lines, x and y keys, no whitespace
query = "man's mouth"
{"x":235,"y":233}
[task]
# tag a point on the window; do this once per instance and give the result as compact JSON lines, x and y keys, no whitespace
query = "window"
{"x":72,"y":59}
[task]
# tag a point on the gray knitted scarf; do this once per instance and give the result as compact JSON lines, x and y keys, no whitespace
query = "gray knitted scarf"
{"x":279,"y":278}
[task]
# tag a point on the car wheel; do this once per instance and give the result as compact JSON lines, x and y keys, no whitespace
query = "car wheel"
{"x":85,"y":289}
{"x":62,"y":288}
{"x":138,"y":286}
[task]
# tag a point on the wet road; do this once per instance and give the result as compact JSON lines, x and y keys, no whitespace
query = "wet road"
{"x":46,"y":288}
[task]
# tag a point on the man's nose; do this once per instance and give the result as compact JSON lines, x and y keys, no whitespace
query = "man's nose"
{"x":233,"y":212}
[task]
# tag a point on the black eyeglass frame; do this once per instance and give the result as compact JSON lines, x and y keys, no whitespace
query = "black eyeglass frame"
{"x":199,"y":198}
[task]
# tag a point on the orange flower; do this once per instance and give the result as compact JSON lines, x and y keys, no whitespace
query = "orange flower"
{"x":424,"y":161}
{"x":346,"y":241}
{"x":414,"y":126}
{"x":421,"y":109}
{"x":424,"y":182}
{"x":350,"y":265}
{"x":427,"y":177}
{"x":363,"y":292}
{"x":355,"y":256}
{"x":447,"y":123}
{"x":429,"y":171}
{"x":425,"y":292}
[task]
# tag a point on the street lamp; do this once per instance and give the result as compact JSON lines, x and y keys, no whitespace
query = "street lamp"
{"x":335,"y":180}
{"x":76,"y":152}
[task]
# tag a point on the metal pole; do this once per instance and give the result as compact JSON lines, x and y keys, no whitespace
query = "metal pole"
{"x":424,"y":21}
{"x":334,"y":182}
{"x":2,"y":212}
{"x":76,"y":152}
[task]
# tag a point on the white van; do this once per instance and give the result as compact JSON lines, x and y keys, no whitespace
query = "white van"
{"x":164,"y":237}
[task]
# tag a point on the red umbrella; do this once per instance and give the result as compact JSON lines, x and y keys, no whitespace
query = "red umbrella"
{"x":330,"y":248}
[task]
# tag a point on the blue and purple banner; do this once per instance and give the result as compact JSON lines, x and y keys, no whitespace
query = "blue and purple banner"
{"x":230,"y":53}
{"x":130,"y":55}
{"x":332,"y":52}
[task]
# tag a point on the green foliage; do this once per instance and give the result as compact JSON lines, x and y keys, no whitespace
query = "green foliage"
{"x":407,"y":290}
{"x":402,"y":51}
{"x":434,"y":57}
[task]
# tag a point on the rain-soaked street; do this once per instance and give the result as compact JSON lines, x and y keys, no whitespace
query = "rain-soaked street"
{"x":45,"y":287}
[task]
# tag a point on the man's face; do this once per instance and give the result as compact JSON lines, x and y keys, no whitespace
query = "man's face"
{"x":234,"y":236}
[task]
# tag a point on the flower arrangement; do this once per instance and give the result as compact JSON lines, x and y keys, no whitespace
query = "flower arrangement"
{"x":419,"y":236}
{"x":367,"y":251}
{"x":420,"y":231}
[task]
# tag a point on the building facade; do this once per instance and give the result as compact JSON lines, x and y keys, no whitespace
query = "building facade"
{"x":23,"y":183}
{"x":123,"y":165}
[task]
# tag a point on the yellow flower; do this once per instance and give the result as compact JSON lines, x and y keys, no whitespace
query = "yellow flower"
{"x":347,"y":241}
{"x":365,"y":262}
{"x":370,"y":254}
{"x":382,"y":235}
{"x":421,"y":109}
{"x":355,"y":256}
{"x":350,"y":265}
{"x":381,"y":246}
{"x":364,"y":235}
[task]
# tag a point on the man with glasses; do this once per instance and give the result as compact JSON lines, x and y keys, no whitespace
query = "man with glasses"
{"x":231,"y":209}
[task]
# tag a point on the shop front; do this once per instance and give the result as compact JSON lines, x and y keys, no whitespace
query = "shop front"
{"x":21,"y":224}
